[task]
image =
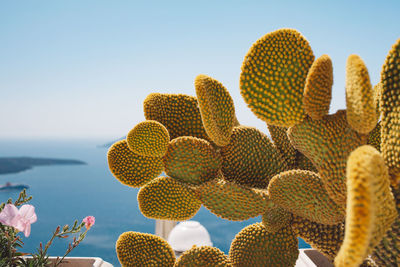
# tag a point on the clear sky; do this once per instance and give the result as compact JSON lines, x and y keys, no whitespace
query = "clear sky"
{"x":81,"y":69}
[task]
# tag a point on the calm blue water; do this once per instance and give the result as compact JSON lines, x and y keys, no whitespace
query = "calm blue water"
{"x":62,"y":194}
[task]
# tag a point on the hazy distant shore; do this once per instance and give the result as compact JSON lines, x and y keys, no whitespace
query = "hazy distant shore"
{"x":18,"y":164}
{"x":107,"y":145}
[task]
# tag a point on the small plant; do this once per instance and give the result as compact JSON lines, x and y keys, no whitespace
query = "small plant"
{"x":14,"y":220}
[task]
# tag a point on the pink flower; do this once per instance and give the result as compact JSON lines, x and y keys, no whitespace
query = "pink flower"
{"x":89,"y":221}
{"x":19,"y":219}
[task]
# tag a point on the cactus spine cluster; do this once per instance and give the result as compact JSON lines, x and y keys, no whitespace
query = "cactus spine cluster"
{"x":332,"y":179}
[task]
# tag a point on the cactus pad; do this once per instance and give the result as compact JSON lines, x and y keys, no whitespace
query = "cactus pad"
{"x":192,"y":160}
{"x":387,"y":253}
{"x":360,"y":101}
{"x":255,"y":246}
{"x":164,"y":198}
{"x":131,"y":169}
{"x":273,"y":76}
{"x":303,"y":163}
{"x":303,"y":193}
{"x":148,"y":138}
{"x":203,"y":256}
{"x":370,"y":206}
{"x":231,"y":201}
{"x":318,"y":89}
{"x":374,"y":137}
{"x":389,"y":105}
{"x":177,"y":112}
{"x":325,"y":238}
{"x":147,"y":250}
{"x":275,"y":218}
{"x":327,"y":143}
{"x":377,"y":92}
{"x":216,"y":108}
{"x":250,"y":158}
{"x":282,"y":144}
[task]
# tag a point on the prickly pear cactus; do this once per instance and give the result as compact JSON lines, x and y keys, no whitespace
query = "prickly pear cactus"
{"x":331,"y":179}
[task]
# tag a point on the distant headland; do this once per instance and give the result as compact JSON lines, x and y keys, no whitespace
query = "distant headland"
{"x":19,"y":164}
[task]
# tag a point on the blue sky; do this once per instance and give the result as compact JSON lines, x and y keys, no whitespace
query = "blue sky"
{"x":81,"y":69}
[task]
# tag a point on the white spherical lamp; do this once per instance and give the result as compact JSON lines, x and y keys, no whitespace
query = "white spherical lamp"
{"x":186,"y":234}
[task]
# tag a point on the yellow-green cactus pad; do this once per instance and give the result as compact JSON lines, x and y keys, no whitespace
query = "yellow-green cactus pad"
{"x":147,"y":250}
{"x":368,"y":262}
{"x":282,"y":144}
{"x":327,"y":143}
{"x":131,"y":169}
{"x":360,"y":101}
{"x":192,"y":160}
{"x":179,"y":113}
{"x":303,"y":193}
{"x":250,"y":158}
{"x":148,"y":138}
{"x":303,"y":163}
{"x":377,"y":96}
{"x":370,"y":209}
{"x":216,"y":108}
{"x":318,"y":89}
{"x":387,"y":253}
{"x":235,"y":121}
{"x":275,"y":218}
{"x":374,"y":137}
{"x":203,"y":256}
{"x":255,"y":246}
{"x":325,"y":238}
{"x":164,"y":198}
{"x":231,"y":201}
{"x":390,"y":108}
{"x":273,"y":76}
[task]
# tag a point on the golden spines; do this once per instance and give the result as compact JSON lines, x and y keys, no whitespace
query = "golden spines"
{"x":148,"y":138}
{"x":325,"y":238}
{"x":255,"y":246}
{"x":203,"y":256}
{"x":387,"y":253}
{"x":273,"y":76}
{"x":179,"y":113}
{"x":282,"y":144}
{"x":216,"y":108}
{"x":131,"y":169}
{"x":303,"y":163}
{"x":192,"y":160}
{"x":327,"y":143}
{"x":250,"y":158}
{"x":275,"y":218}
{"x":370,"y":209}
{"x":390,"y":108}
{"x":374,"y":137}
{"x":360,"y":101}
{"x":231,"y":201}
{"x":303,"y":193}
{"x":377,"y":92}
{"x":318,"y":89}
{"x":165,"y":198}
{"x":139,"y":249}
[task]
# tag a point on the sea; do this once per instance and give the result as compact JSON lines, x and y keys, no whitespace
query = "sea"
{"x":65,"y":193}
